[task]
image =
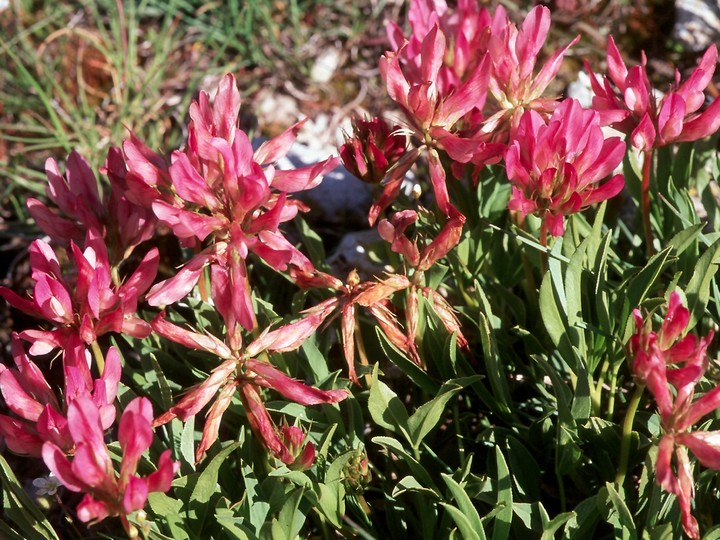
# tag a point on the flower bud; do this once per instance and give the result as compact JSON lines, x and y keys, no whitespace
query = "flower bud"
{"x":302,"y":451}
{"x":357,"y":472}
{"x":372,"y":149}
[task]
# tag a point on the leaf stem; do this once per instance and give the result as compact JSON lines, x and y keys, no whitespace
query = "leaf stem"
{"x":645,"y":202}
{"x":98,"y":355}
{"x":627,"y":435}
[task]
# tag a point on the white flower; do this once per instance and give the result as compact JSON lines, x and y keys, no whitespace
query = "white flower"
{"x":46,"y":485}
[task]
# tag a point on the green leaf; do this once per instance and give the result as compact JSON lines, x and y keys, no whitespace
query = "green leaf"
{"x":428,"y":414}
{"x":582,"y":523}
{"x":417,"y":470}
{"x":685,"y":238}
{"x":698,"y":289}
{"x":617,"y":512}
{"x":187,"y":442}
{"x":409,"y":483}
{"x":290,"y":520}
{"x":526,"y":471}
{"x":385,"y":407}
{"x":397,"y":357}
{"x":464,"y":503}
{"x":503,"y":519}
{"x":21,"y":509}
{"x":467,"y":531}
{"x":207,"y":482}
{"x":555,"y":523}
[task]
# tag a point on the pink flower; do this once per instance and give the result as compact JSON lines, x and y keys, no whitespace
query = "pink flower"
{"x":628,"y":102}
{"x":372,"y":150}
{"x":233,"y":200}
{"x":512,"y":84}
{"x":87,"y":303}
{"x":91,"y":470}
{"x":300,"y":450}
{"x":467,"y":28}
{"x":121,"y":223}
{"x":41,"y":416}
{"x":556,"y":167}
{"x":671,"y":366}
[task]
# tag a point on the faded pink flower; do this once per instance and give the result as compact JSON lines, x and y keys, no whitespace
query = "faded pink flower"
{"x":91,"y":470}
{"x":240,"y":370}
{"x":627,"y":102}
{"x":556,"y":168}
{"x":671,"y":365}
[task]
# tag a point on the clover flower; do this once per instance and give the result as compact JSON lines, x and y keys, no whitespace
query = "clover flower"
{"x":514,"y":86}
{"x":556,"y":168}
{"x":671,"y":366}
{"x":240,"y":370}
{"x":121,"y":223}
{"x":87,"y":302}
{"x":222,"y":193}
{"x":627,"y":102}
{"x":91,"y":470}
{"x":40,"y":415}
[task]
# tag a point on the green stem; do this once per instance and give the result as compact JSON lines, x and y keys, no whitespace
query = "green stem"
{"x":543,"y":243}
{"x":645,"y":202}
{"x":98,"y":355}
{"x":613,"y":385}
{"x":461,"y":444}
{"x":627,"y":435}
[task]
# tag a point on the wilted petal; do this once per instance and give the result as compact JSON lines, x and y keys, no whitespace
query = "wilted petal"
{"x":213,"y":419}
{"x":192,"y":340}
{"x":201,"y":395}
{"x":271,"y":377}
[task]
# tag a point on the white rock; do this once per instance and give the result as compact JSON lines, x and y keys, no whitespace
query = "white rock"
{"x":325,"y":65}
{"x":581,"y":90}
{"x":352,"y":254}
{"x":697,"y":23}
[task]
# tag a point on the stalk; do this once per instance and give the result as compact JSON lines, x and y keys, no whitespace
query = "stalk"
{"x":98,"y":355}
{"x":627,"y":435}
{"x":645,"y":202}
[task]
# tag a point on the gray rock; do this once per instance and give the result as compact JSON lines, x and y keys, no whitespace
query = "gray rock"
{"x":697,"y":23}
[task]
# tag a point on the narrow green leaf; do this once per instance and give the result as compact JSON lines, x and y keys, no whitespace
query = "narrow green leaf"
{"x":386,"y":409}
{"x":290,"y":519}
{"x":555,"y":523}
{"x":619,"y":515}
{"x":503,"y":519}
{"x":428,"y":414}
{"x":417,"y":470}
{"x":21,"y":509}
{"x":187,"y":442}
{"x":463,"y":501}
{"x":463,"y":524}
{"x":207,"y":482}
{"x":698,"y":289}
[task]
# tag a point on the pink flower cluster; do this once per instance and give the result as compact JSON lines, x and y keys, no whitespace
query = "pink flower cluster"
{"x":473,"y":92}
{"x":671,"y":365}
{"x":219,"y":197}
